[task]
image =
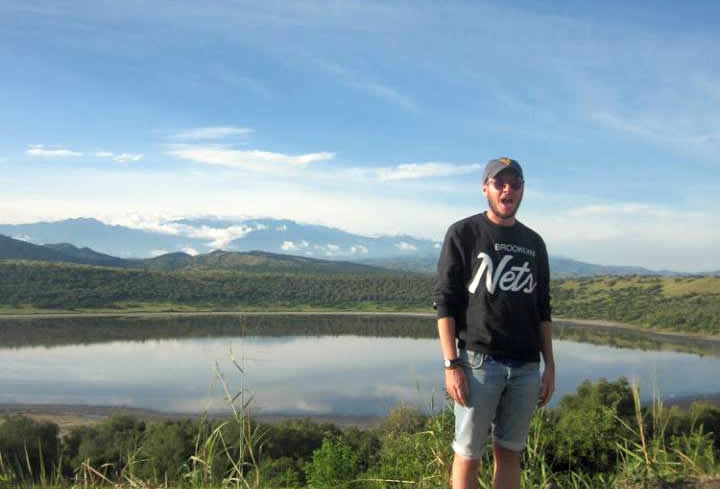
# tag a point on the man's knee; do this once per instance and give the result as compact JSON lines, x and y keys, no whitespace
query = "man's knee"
{"x":465,"y":464}
{"x":506,"y":457}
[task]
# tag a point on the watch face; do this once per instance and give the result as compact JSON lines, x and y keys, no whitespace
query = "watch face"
{"x":451,"y":363}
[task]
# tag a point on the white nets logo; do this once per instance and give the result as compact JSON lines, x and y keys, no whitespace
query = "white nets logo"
{"x":514,"y":279}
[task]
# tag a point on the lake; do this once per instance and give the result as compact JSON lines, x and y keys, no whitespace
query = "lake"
{"x":302,"y":365}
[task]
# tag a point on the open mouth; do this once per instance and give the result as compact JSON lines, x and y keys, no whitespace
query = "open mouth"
{"x":507,"y":201}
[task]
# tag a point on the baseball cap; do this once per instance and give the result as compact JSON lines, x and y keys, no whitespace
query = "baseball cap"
{"x":497,"y":165}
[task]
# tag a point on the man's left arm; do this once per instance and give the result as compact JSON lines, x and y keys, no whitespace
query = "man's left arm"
{"x":547,"y":386}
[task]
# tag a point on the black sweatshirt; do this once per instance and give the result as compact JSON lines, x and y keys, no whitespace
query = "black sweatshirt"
{"x":495,"y":281}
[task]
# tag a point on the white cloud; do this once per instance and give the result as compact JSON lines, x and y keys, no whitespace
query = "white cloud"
{"x":253,"y":160}
{"x":405,"y":246}
{"x":330,"y":250}
{"x":39,"y":150}
{"x":23,"y":237}
{"x":218,"y":238}
{"x":125,"y":157}
{"x":281,"y":228}
{"x":260,"y":227}
{"x":412,"y":171}
{"x":190,"y":251}
{"x":386,"y":92}
{"x":288,"y":246}
{"x":213,"y":132}
{"x":155,"y":253}
{"x":358,"y":250}
{"x":379,"y":90}
{"x":631,"y":234}
{"x":688,"y":132}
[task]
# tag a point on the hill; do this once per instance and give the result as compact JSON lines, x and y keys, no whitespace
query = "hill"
{"x":14,"y":249}
{"x":44,"y":285}
{"x":256,"y":261}
{"x":88,"y":256}
{"x":687,"y":304}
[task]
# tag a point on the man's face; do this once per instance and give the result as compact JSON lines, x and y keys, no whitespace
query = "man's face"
{"x":504,"y":193}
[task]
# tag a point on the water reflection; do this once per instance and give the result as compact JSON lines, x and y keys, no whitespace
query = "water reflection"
{"x":356,"y":373}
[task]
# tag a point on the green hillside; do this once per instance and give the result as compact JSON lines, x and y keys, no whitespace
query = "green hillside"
{"x":76,"y":287}
{"x":15,"y":249}
{"x":678,"y":303}
{"x":263,"y":282}
{"x":254,"y":261}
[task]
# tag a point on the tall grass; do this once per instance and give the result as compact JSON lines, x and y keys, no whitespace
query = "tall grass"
{"x":229,"y":455}
{"x":652,"y":455}
{"x":213,"y":449}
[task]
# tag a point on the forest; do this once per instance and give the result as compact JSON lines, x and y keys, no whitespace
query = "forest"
{"x":689,"y":304}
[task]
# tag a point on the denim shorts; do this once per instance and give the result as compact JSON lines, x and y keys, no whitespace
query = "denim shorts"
{"x":502,"y":394}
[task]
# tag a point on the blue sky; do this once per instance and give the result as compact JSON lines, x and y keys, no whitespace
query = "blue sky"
{"x":374,"y":117}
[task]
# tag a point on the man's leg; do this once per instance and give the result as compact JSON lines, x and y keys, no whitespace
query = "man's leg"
{"x":464,"y":473}
{"x":512,"y":423}
{"x":486,"y":382}
{"x":507,"y":468}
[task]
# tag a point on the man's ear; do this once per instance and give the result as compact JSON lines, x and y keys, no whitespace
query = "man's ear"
{"x":484,"y":189}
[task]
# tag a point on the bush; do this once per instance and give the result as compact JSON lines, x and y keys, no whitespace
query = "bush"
{"x":588,"y":425}
{"x":113,"y":444}
{"x":166,"y":449}
{"x":29,"y":447}
{"x":333,"y":465}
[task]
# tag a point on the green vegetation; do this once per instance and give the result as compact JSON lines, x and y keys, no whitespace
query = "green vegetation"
{"x":685,"y":304}
{"x":598,"y":438}
{"x":74,"y":287}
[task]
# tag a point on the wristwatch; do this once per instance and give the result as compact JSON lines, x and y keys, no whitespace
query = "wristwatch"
{"x":452,"y":363}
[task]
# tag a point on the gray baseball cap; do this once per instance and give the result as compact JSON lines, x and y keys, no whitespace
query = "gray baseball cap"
{"x":495,"y":166}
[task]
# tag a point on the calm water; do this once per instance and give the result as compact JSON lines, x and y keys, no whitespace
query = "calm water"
{"x":348,"y":374}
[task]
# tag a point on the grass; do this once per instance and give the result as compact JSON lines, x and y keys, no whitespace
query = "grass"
{"x":648,"y":457}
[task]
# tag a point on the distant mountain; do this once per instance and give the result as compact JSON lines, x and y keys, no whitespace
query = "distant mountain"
{"x":204,"y":235}
{"x":568,"y":268}
{"x":257,"y":261}
{"x":88,"y":256}
{"x":13,"y":249}
{"x":117,"y":241}
{"x":93,"y":242}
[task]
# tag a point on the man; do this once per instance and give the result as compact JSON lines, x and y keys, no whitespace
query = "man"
{"x":493,"y":307}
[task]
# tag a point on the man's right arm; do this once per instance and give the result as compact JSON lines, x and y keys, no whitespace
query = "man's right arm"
{"x":455,"y":381}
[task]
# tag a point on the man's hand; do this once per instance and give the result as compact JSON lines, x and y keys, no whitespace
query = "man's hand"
{"x":456,"y":385}
{"x":547,"y":386}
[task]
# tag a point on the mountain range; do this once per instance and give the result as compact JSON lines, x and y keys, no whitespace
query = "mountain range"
{"x":199,"y":236}
{"x":196,"y":243}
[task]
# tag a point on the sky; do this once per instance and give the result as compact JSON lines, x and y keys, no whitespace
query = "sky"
{"x":373,"y":117}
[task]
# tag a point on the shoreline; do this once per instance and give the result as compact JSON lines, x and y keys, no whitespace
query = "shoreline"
{"x":601,"y":323}
{"x":69,"y":416}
